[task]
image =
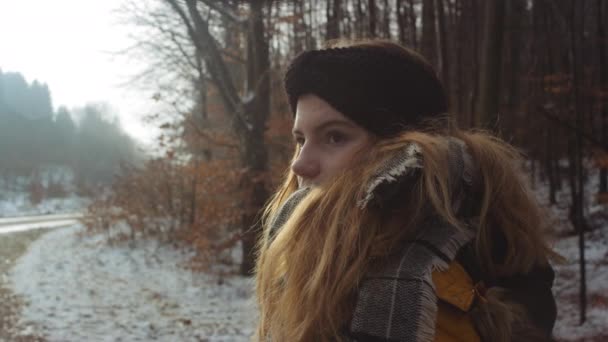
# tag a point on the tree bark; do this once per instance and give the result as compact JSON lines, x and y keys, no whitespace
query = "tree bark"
{"x":517,"y":17}
{"x":359,"y":18}
{"x":254,"y":155}
{"x":311,"y":38}
{"x":296,"y":26}
{"x":371,"y":7}
{"x":491,"y":62}
{"x":412,"y":25}
{"x":443,"y":43}
{"x":458,"y":91}
{"x":580,"y":191}
{"x":401,"y":21}
{"x":475,"y":69}
{"x":429,"y":33}
{"x":386,"y":20}
{"x":601,"y":30}
{"x":552,"y":157}
{"x":549,"y":156}
{"x":333,"y":18}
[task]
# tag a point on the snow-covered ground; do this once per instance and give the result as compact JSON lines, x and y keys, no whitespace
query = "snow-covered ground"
{"x":18,"y":204}
{"x":566,"y":285}
{"x":566,"y":289}
{"x":15,"y":198}
{"x":79,"y":289}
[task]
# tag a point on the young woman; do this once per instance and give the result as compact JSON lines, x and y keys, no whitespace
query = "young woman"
{"x":392,"y":224}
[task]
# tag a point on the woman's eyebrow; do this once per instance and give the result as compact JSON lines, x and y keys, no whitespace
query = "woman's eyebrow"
{"x":325,"y":125}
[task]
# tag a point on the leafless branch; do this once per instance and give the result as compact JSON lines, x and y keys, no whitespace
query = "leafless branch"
{"x":225,"y":12}
{"x":200,"y":132}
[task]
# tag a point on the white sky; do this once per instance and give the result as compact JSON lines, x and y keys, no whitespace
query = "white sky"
{"x":66,"y":44}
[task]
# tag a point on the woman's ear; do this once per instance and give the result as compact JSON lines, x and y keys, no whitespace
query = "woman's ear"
{"x":394,"y":176}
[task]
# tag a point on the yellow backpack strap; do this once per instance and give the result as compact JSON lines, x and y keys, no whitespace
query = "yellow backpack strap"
{"x":456,"y":293}
{"x":454,"y":286}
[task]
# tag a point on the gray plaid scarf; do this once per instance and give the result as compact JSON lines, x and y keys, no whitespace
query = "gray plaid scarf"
{"x":397,"y":302}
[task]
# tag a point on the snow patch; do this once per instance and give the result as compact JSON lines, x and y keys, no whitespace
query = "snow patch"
{"x":18,"y":204}
{"x":566,"y":284}
{"x":77,"y":288}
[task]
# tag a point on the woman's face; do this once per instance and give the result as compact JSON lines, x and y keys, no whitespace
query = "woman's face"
{"x":327,"y":139}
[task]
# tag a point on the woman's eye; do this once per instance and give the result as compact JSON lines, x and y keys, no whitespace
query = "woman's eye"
{"x":335,"y":138}
{"x":299,"y":141}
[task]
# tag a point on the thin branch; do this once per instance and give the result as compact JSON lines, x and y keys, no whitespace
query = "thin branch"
{"x":234,"y":57}
{"x":210,"y":138}
{"x":228,"y":14}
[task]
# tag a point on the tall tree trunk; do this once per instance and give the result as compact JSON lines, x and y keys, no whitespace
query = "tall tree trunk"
{"x":458,"y":91}
{"x":601,"y":30}
{"x":549,"y":156}
{"x":360,"y":19}
{"x":296,"y":26}
{"x":517,"y":18}
{"x":371,"y":7}
{"x":333,"y":19}
{"x":579,"y":153}
{"x":347,"y":28}
{"x":412,"y":25}
{"x":429,"y":33}
{"x":491,"y":63}
{"x":194,"y":197}
{"x":443,"y":43}
{"x":386,"y":19}
{"x":254,"y":154}
{"x":542,"y":15}
{"x":311,"y":39}
{"x":401,"y":22}
{"x":474,"y":14}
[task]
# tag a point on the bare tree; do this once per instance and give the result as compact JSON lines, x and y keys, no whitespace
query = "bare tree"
{"x":249,"y":112}
{"x":413,"y":31}
{"x":580,"y":190}
{"x":603,"y":71}
{"x":373,"y":20}
{"x":443,"y":44}
{"x":334,"y":17}
{"x":491,"y":64}
{"x":402,"y":22}
{"x":386,"y":19}
{"x":173,"y":66}
{"x":429,"y":33}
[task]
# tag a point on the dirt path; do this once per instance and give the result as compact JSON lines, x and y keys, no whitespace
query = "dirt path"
{"x":12,"y":246}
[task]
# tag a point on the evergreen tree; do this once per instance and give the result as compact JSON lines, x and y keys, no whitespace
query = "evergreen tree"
{"x":32,"y":136}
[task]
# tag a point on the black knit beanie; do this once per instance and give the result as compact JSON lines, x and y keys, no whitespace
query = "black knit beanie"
{"x":382,"y":89}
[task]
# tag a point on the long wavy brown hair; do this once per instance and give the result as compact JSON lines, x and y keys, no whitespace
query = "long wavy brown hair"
{"x":307,"y":276}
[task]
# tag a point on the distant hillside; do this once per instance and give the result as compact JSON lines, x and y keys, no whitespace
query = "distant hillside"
{"x":33,"y":135}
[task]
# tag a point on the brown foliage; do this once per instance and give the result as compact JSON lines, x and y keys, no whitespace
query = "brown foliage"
{"x":36,"y":191}
{"x":56,"y":190}
{"x":193,"y":204}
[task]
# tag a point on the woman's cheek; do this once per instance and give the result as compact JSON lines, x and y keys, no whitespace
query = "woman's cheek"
{"x":340,"y":160}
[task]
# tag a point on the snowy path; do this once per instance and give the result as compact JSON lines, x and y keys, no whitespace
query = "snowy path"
{"x":16,"y":224}
{"x":79,"y":289}
{"x":37,"y":218}
{"x":566,"y":289}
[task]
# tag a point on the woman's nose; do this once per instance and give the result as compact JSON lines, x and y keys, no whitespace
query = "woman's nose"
{"x":306,"y":166}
